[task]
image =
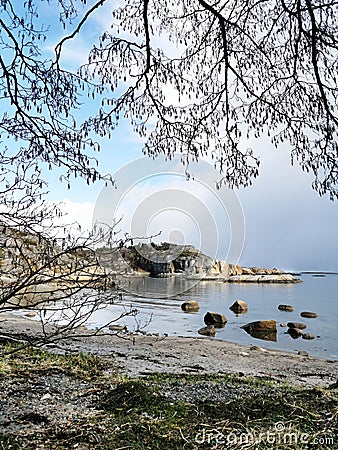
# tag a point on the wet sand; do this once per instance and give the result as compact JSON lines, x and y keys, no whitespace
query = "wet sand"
{"x":137,"y":355}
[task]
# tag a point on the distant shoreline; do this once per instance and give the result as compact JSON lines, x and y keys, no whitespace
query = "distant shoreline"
{"x":313,"y":272}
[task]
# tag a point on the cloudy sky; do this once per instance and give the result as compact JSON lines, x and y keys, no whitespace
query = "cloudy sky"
{"x":287,"y":225}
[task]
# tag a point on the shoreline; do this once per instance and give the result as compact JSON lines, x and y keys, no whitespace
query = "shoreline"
{"x":137,"y":355}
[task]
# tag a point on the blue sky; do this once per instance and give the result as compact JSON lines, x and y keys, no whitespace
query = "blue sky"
{"x":287,"y":225}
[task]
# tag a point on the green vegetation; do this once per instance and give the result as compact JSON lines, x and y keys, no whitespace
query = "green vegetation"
{"x":91,"y":406}
{"x":39,"y":361}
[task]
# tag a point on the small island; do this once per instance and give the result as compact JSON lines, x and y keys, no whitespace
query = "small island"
{"x":167,"y":260}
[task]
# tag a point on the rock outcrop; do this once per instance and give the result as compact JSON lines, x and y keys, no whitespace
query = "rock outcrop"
{"x":165,"y":260}
{"x":277,"y":278}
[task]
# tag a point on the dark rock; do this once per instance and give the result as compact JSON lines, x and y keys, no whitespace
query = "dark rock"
{"x":260,"y":325}
{"x":300,"y":326}
{"x":309,"y":315}
{"x":303,"y":353}
{"x":190,"y":306}
{"x":213,"y":318}
{"x":334,"y":385}
{"x":262,"y":329}
{"x":295,"y":333}
{"x":239,"y":307}
{"x":209,"y":330}
{"x":286,"y":308}
{"x":308,"y":336}
{"x":265,"y":335}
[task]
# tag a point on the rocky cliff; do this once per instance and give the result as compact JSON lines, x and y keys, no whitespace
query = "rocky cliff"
{"x":22,"y":252}
{"x":167,"y":259}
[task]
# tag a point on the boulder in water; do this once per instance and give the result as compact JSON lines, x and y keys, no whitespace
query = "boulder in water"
{"x":308,"y":336}
{"x":288,"y":308}
{"x":300,"y":326}
{"x":295,"y":333}
{"x":308,"y":314}
{"x":190,"y":306}
{"x":239,"y":307}
{"x":209,"y":330}
{"x":216,"y":319}
{"x":260,"y":325}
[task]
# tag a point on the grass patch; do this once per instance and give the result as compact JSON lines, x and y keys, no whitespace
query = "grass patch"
{"x":32,"y":360}
{"x":162,"y":412}
{"x":157,"y":421}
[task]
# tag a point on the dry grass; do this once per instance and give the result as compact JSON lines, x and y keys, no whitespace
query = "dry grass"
{"x":91,"y":406}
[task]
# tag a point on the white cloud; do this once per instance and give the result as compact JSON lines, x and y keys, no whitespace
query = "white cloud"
{"x":184,"y":212}
{"x":80,"y":213}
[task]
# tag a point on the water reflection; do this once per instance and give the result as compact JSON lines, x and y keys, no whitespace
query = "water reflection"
{"x":157,"y":287}
{"x":155,"y":297}
{"x":266,"y":335}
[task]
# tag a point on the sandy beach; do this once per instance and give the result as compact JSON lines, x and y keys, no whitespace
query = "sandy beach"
{"x":136,"y":355}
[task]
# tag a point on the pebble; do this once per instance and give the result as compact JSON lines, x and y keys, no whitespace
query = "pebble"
{"x":259,"y":349}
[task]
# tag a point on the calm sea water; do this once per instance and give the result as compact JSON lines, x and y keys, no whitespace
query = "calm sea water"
{"x":318,"y":294}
